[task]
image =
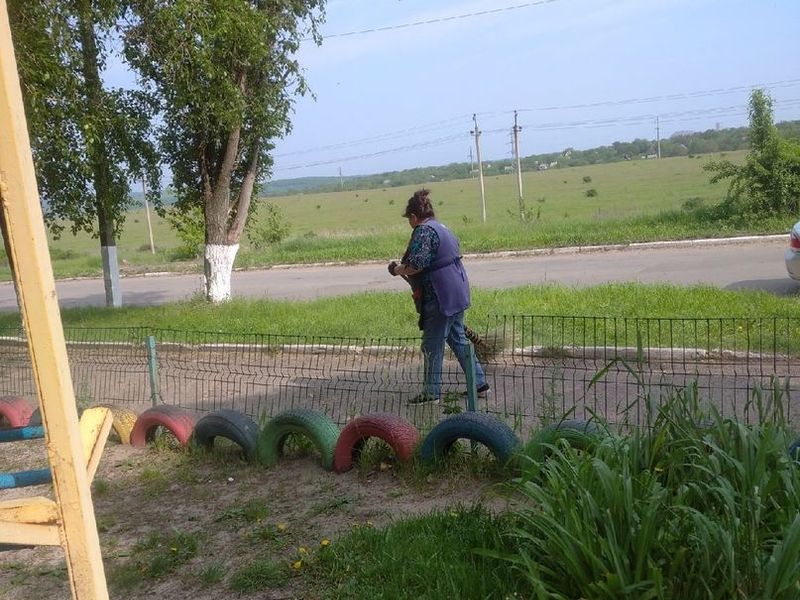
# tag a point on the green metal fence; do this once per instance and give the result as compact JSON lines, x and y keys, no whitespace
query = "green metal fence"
{"x":539,"y":368}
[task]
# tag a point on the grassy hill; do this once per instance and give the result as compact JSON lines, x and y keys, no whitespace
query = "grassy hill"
{"x":636,"y":200}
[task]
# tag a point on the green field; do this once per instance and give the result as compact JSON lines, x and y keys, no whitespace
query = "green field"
{"x":640,"y":200}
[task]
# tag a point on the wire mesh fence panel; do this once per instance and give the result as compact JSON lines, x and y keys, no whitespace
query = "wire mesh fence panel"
{"x":107,"y":365}
{"x":547,"y":367}
{"x":540,"y":369}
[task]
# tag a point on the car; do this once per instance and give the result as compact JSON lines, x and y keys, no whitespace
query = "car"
{"x":792,"y":255}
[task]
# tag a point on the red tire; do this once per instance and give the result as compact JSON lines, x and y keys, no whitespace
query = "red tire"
{"x":401,"y":435}
{"x":15,"y":410}
{"x":179,"y":421}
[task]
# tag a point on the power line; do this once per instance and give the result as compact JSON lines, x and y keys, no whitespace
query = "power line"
{"x":443,"y":123}
{"x":681,"y":96}
{"x":437,"y":20}
{"x":667,"y":117}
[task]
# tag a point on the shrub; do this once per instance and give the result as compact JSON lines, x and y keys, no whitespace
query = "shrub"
{"x":587,"y":179}
{"x":591,"y":193}
{"x":275,"y":228}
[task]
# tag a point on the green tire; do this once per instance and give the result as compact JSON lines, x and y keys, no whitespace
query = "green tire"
{"x":316,"y":426}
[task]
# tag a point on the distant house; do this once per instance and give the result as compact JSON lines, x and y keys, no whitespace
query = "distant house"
{"x":387,"y":181}
{"x":542,"y":167}
{"x":553,"y":164}
{"x":508,"y":169}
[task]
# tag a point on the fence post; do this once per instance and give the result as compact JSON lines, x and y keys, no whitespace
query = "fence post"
{"x":472,"y":391}
{"x":152,"y":365}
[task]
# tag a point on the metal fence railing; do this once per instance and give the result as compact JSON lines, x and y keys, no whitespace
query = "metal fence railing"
{"x":539,"y":368}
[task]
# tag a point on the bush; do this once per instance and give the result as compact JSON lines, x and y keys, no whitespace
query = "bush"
{"x":587,"y":179}
{"x":591,"y":193}
{"x":275,"y":228}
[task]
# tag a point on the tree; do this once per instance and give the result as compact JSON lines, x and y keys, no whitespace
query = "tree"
{"x":88,"y":142}
{"x":225,"y":72}
{"x":769,"y":180}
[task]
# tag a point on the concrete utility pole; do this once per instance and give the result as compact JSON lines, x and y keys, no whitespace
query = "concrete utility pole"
{"x":341,"y":181}
{"x":147,"y":212}
{"x":471,"y":163}
{"x":658,"y":138}
{"x":517,"y":129}
{"x":477,"y":133}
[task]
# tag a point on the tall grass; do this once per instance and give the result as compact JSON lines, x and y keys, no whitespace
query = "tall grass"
{"x":695,"y":506}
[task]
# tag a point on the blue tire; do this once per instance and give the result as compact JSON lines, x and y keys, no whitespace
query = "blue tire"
{"x":477,"y":427}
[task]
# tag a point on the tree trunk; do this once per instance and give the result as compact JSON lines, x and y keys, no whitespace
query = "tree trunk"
{"x":96,"y":148}
{"x":221,"y":247}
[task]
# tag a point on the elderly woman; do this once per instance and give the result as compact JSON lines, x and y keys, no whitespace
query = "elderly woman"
{"x":432,"y":265}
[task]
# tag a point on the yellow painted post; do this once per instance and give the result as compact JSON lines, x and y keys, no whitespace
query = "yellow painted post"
{"x":42,"y":320}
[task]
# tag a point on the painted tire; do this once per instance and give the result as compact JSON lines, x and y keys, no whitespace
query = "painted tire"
{"x":15,"y":410}
{"x":794,"y":450}
{"x":179,"y":421}
{"x":581,"y":435}
{"x":124,"y":420}
{"x":231,"y":425}
{"x":316,"y":426}
{"x":401,"y":435}
{"x":479,"y":427}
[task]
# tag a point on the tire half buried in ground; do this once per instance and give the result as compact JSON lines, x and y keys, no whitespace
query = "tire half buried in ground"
{"x":316,"y":426}
{"x":474,"y":426}
{"x":401,"y":436}
{"x":229,"y":424}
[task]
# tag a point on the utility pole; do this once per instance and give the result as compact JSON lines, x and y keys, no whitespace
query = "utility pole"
{"x":341,"y":181}
{"x":658,"y":138}
{"x":471,"y":165}
{"x":517,"y":129}
{"x":147,"y":213}
{"x":477,"y":133}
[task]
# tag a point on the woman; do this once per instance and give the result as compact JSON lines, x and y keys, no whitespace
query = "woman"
{"x":432,"y":265}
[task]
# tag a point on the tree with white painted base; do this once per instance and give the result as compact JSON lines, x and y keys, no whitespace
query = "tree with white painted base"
{"x":227,"y":76}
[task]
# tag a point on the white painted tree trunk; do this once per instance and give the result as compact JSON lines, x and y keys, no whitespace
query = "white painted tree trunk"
{"x":218,"y":268}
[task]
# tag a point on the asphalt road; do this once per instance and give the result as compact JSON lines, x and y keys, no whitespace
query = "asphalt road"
{"x":744,"y":264}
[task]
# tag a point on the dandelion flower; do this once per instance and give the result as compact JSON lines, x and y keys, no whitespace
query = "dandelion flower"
{"x":282,"y":526}
{"x":325,"y":542}
{"x":296,"y":565}
{"x":302,"y":550}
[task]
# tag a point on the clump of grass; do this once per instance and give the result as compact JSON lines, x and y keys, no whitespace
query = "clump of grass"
{"x":252,"y":511}
{"x":428,"y":557}
{"x":259,"y":575}
{"x":154,"y":558}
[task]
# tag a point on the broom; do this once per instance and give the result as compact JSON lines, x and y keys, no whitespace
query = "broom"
{"x":485,"y":350}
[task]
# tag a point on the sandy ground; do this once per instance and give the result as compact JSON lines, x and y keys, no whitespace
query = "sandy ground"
{"x":141,"y":492}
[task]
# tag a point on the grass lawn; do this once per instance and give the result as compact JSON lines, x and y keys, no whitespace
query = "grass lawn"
{"x":639,"y":200}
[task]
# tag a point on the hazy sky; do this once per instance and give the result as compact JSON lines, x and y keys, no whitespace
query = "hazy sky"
{"x":580,"y":73}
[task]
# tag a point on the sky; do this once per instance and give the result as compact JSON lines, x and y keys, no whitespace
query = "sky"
{"x":396,"y":83}
{"x":579,"y":73}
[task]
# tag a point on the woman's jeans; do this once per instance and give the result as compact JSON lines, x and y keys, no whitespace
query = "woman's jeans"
{"x":436,"y":330}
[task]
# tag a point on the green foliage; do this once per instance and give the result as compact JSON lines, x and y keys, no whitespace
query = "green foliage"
{"x":88,"y":142}
{"x":155,"y":557}
{"x":274,"y":229}
{"x":190,"y":228}
{"x":769,"y":181}
{"x":226,"y":94}
{"x":692,"y":506}
{"x":429,"y":557}
{"x":591,"y":193}
{"x":259,"y":575}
